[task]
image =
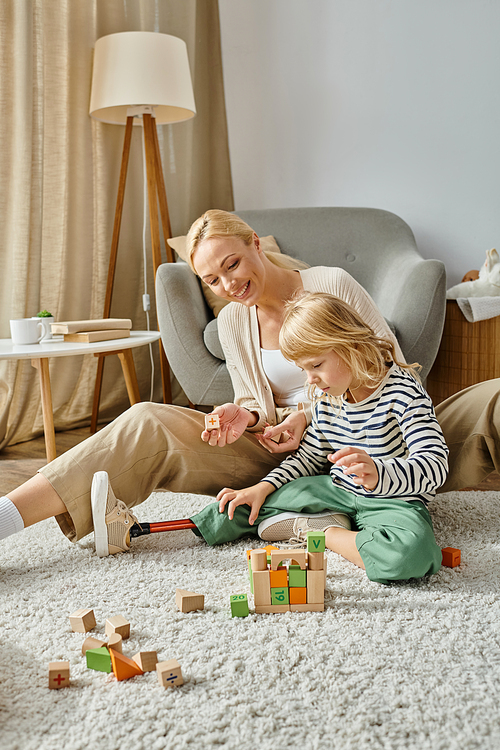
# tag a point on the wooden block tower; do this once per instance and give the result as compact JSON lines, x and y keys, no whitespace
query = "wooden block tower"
{"x":299,"y":587}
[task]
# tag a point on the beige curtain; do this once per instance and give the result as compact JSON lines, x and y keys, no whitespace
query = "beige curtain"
{"x":58,"y":181}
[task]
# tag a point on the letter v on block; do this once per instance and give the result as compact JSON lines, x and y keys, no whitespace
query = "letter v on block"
{"x":316,"y":541}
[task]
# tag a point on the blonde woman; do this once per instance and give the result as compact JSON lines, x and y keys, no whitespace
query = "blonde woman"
{"x":374,"y":427}
{"x":155,"y":446}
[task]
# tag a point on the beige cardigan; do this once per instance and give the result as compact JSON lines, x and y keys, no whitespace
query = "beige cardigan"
{"x":239,"y":336}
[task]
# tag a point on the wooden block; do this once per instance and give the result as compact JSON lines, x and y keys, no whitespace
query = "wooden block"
{"x":82,"y":620}
{"x":307,"y":607}
{"x":98,"y":659}
{"x":250,"y":575}
{"x":279,"y":595}
{"x":315,"y":541}
{"x":212,"y":422}
{"x":269,"y":548}
{"x":296,"y":577}
{"x":298,"y":595}
{"x":117,"y":624}
{"x":316,"y":560}
{"x":91,"y":642}
{"x":279,"y":578}
{"x":146,"y":660}
{"x":123,"y":667}
{"x":273,"y":609}
{"x":261,"y":588}
{"x":451,"y":557}
{"x":188,"y":601}
{"x":239,"y":605}
{"x":259,"y":559}
{"x":169,"y":673}
{"x":299,"y":557}
{"x":315,"y":586}
{"x":58,"y":675}
{"x":115,"y":642}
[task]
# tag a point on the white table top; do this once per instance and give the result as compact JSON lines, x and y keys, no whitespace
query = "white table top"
{"x":57,"y":347}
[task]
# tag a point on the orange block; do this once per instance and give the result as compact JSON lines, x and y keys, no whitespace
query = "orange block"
{"x":298,"y":595}
{"x":270,"y":548}
{"x":451,"y":557}
{"x":279,"y":578}
{"x":123,"y":667}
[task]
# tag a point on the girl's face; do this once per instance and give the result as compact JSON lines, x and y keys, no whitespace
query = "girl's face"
{"x":232,"y":270}
{"x":328,"y":372}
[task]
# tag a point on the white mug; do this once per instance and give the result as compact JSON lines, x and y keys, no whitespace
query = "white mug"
{"x":46,"y":336}
{"x":25,"y":330}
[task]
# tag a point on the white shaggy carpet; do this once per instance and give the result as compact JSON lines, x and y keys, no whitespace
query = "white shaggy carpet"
{"x":413,"y":665}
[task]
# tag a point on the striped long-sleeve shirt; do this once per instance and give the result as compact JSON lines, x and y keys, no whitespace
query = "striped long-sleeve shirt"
{"x":395,"y":425}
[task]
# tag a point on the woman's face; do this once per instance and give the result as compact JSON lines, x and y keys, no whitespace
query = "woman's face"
{"x":232,"y":269}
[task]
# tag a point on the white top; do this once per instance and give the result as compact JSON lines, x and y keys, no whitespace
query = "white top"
{"x":286,"y":379}
{"x":57,"y":347}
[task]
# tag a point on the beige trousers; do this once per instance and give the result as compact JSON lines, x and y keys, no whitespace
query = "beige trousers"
{"x":470,"y":421}
{"x":152,"y":447}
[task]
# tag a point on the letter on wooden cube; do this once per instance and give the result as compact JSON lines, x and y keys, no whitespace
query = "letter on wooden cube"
{"x":58,"y":674}
{"x":169,"y":673}
{"x":451,"y":557}
{"x":315,"y":541}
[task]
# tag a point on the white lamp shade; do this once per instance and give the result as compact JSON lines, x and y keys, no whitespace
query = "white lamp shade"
{"x":136,"y":68}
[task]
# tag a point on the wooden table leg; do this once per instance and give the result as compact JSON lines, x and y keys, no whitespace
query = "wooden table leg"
{"x":127,"y":361}
{"x":42,"y":365}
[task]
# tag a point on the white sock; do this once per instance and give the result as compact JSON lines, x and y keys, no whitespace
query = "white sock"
{"x":11,"y":520}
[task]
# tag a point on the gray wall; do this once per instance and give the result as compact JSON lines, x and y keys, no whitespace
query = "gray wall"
{"x":380,"y":103}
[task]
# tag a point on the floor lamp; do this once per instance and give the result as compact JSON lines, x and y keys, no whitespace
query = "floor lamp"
{"x":140,"y":78}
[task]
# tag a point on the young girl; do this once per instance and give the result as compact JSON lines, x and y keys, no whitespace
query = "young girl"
{"x":376,"y":425}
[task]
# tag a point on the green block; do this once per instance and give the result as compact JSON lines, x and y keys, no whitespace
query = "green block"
{"x":280,"y":596}
{"x":315,"y":541}
{"x":239,"y":605}
{"x":99,"y":659}
{"x":297,"y":577}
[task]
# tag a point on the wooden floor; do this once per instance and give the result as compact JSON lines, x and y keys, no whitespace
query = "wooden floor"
{"x":20,"y":462}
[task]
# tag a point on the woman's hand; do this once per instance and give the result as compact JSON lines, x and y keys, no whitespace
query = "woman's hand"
{"x":358,"y":464}
{"x":253,"y":496}
{"x":292,"y":429}
{"x":233,"y":422}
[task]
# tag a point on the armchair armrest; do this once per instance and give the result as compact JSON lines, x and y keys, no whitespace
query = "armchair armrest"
{"x":182,"y":319}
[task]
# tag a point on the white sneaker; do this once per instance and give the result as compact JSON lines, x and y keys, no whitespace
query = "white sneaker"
{"x":289,"y":526}
{"x":112,"y":518}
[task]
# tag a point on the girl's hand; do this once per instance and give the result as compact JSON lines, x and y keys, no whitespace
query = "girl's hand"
{"x":292,"y":429}
{"x":233,"y":422}
{"x":358,"y":464}
{"x":252,"y":496}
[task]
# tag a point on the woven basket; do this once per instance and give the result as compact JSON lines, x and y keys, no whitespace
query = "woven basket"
{"x":469,"y":353}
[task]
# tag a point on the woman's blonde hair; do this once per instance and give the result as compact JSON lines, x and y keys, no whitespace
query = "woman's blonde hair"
{"x":218,"y":223}
{"x":316,"y":322}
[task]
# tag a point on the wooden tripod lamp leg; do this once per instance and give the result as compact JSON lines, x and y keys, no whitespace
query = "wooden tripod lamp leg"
{"x":153,"y":168}
{"x":112,"y":263}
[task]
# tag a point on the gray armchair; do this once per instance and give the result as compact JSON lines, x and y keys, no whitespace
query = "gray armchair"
{"x":376,"y":247}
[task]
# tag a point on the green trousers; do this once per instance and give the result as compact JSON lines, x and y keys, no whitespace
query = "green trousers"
{"x":395,"y":536}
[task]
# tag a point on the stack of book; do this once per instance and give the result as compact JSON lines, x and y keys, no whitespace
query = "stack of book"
{"x":89,"y":331}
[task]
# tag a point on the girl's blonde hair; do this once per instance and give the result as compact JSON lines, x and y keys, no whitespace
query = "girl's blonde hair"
{"x":316,"y":322}
{"x":218,"y":223}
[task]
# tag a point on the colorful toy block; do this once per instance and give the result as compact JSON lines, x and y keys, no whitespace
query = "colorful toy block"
{"x":261,"y":588}
{"x":451,"y":557}
{"x":188,"y":601}
{"x":91,"y":642}
{"x":212,"y":422}
{"x":58,"y":675}
{"x":82,"y":620}
{"x":117,"y":624}
{"x":169,"y":673}
{"x":279,"y":578}
{"x":279,"y":595}
{"x":146,"y":660}
{"x":297,"y":557}
{"x":115,"y":642}
{"x":316,"y":561}
{"x":258,"y":559}
{"x":99,"y":659}
{"x":239,"y":605}
{"x":298,"y":595}
{"x":315,"y":586}
{"x":315,"y":541}
{"x":123,"y":667}
{"x":297,"y":577}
